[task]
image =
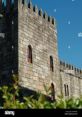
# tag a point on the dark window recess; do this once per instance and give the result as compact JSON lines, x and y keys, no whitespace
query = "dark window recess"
{"x":52,"y":92}
{"x":66,"y":90}
{"x":29,"y":54}
{"x":51,"y":64}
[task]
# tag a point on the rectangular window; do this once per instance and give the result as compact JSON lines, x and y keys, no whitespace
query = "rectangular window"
{"x":29,"y":54}
{"x":51,"y":64}
{"x":66,"y":88}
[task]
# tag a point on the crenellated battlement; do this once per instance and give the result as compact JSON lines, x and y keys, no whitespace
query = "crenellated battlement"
{"x":70,"y":69}
{"x":39,"y":12}
{"x":28,"y":5}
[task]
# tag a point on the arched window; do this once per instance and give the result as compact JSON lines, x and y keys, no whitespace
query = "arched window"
{"x":52,"y":92}
{"x":29,"y":54}
{"x":51,"y":64}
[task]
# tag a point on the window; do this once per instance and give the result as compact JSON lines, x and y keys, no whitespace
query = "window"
{"x":51,"y":64}
{"x":52,"y":92}
{"x":66,"y":90}
{"x":29,"y":54}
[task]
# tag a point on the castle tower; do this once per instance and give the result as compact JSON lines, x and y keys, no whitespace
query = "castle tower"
{"x":37,"y":54}
{"x":30,"y":47}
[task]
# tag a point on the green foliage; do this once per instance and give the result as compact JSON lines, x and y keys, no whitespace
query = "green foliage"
{"x":61,"y":103}
{"x":11,"y":101}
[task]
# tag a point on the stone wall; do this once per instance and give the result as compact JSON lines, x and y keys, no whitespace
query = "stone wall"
{"x":39,"y":31}
{"x":73,"y":78}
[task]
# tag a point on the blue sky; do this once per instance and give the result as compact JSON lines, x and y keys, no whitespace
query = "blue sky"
{"x":68,"y":15}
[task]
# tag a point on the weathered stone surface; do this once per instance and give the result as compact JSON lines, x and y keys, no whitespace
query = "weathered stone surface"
{"x":27,"y":27}
{"x":36,"y":31}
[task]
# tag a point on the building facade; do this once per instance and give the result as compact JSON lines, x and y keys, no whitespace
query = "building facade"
{"x":28,"y":47}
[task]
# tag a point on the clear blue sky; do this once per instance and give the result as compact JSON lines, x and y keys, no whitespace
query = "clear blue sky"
{"x":68,"y":15}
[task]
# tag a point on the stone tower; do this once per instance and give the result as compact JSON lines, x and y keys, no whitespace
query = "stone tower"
{"x":29,"y":47}
{"x":37,"y":49}
{"x":8,"y":42}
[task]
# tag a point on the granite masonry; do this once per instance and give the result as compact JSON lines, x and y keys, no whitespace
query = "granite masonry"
{"x":28,"y":47}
